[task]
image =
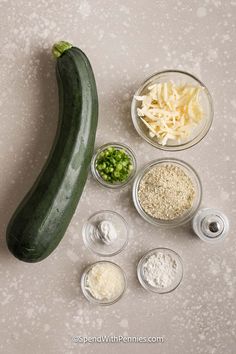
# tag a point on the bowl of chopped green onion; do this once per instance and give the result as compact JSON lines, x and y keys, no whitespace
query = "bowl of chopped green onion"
{"x":114,"y":165}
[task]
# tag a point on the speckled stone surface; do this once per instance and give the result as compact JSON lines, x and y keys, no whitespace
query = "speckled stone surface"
{"x":41,"y":305}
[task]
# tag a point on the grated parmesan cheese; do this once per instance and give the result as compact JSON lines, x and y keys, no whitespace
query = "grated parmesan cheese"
{"x":170,"y":112}
{"x":105,"y":281}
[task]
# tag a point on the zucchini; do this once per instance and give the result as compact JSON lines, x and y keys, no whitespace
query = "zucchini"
{"x":41,"y":220}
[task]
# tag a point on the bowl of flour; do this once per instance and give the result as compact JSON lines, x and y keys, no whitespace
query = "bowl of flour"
{"x":160,"y":270}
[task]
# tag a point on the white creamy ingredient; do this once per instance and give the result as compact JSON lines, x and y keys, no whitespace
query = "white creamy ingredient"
{"x":160,"y":270}
{"x":105,"y":281}
{"x":106,"y":232}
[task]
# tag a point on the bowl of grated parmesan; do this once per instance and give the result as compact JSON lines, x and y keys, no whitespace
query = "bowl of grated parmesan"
{"x":167,"y":192}
{"x":172,"y":110}
{"x":103,"y":283}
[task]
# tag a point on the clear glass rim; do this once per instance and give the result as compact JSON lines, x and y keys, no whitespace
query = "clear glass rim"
{"x":174,"y":222}
{"x":96,"y":174}
{"x":100,"y":253}
{"x":86,"y":293}
{"x":150,"y":288}
{"x":177,"y":147}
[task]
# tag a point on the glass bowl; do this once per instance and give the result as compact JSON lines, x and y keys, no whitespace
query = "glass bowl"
{"x":96,"y":243}
{"x":178,"y":77}
{"x":160,"y":290}
{"x":188,"y":215}
{"x":96,"y":174}
{"x":87,"y":293}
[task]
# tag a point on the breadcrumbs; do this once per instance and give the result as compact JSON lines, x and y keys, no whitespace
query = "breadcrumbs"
{"x":166,"y":192}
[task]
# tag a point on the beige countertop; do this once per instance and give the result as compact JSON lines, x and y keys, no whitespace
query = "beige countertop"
{"x":41,"y":304}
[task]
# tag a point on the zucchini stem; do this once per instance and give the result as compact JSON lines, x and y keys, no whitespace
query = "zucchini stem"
{"x":59,"y":48}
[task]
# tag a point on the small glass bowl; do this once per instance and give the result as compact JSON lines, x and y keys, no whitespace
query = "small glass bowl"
{"x":87,"y":293}
{"x":176,"y":282}
{"x":95,"y":244}
{"x":118,"y":146}
{"x":206,"y":100}
{"x":188,"y":215}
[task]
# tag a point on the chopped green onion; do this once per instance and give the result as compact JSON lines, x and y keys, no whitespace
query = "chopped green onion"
{"x":114,"y":165}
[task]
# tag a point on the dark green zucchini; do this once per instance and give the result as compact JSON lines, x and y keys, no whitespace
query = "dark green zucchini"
{"x":40,"y":221}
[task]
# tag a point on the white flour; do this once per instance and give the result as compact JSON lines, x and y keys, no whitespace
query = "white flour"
{"x":160,"y":270}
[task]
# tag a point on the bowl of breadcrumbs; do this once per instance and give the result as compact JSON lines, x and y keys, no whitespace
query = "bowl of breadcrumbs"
{"x":167,"y":192}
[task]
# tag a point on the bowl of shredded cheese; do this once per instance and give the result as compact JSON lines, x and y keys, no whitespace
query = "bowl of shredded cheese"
{"x":167,"y":192}
{"x":172,"y":110}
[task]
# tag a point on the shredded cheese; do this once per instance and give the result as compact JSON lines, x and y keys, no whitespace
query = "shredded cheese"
{"x":170,"y":112}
